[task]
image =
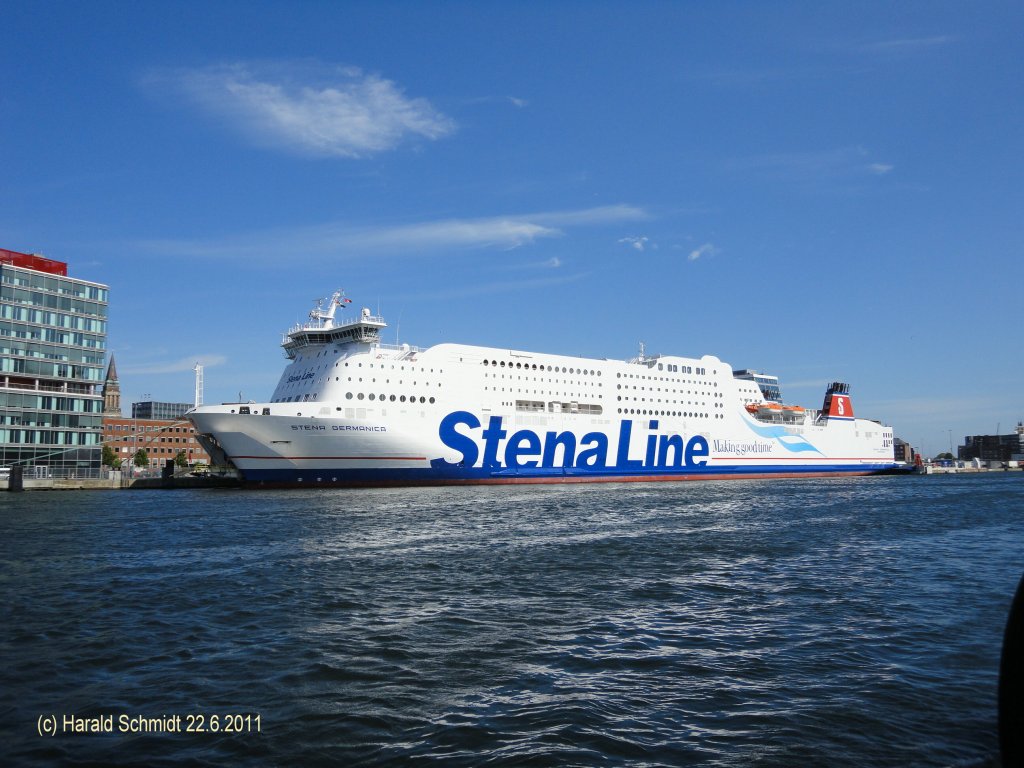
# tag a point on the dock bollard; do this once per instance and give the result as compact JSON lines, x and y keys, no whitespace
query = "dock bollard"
{"x":16,"y":480}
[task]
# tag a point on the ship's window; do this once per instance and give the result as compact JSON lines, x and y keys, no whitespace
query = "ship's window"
{"x":402,"y":398}
{"x":348,"y":395}
{"x":392,"y":398}
{"x":502,"y":363}
{"x":486,"y":363}
{"x":423,"y":399}
{"x":431,"y":401}
{"x":373,"y":396}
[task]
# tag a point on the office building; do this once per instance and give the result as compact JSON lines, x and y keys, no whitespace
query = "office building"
{"x":53,"y":338}
{"x":993,"y":448}
{"x":153,"y":410}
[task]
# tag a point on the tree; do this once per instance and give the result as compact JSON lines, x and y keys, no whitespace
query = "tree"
{"x":180,"y":459}
{"x":141,"y":458}
{"x":110,"y":458}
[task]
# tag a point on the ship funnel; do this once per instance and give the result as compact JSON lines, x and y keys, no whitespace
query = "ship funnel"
{"x":837,"y":403}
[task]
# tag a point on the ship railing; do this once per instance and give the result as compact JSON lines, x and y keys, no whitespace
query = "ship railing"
{"x":319,"y":326}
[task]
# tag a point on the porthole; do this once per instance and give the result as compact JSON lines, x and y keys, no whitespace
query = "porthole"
{"x":431,"y":401}
{"x":392,"y":398}
{"x":348,"y":395}
{"x":359,"y":396}
{"x":402,"y":398}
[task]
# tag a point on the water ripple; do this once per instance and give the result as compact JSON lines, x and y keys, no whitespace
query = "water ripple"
{"x":838,"y":622}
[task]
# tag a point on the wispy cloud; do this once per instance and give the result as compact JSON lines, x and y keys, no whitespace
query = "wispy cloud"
{"x":174,"y":366}
{"x":308,"y":108}
{"x":813,"y":165}
{"x":507,"y":286}
{"x":707,"y":249}
{"x":907,"y":44}
{"x":636,"y":243}
{"x":338,"y":240}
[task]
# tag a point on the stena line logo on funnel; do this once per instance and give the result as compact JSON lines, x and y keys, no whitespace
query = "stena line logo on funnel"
{"x":492,"y":447}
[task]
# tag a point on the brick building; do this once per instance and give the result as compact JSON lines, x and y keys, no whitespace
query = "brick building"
{"x":162,"y":439}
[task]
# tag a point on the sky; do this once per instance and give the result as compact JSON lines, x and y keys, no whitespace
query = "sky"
{"x":819,"y":191}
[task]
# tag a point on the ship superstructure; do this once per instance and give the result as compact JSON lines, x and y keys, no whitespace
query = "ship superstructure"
{"x":352,"y":410}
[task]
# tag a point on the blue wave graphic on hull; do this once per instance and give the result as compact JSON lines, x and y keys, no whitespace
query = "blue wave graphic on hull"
{"x":792,"y":443}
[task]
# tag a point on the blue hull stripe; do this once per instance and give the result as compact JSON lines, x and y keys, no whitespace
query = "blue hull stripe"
{"x":449,"y":474}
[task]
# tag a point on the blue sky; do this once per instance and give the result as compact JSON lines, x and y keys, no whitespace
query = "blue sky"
{"x":817,"y":190}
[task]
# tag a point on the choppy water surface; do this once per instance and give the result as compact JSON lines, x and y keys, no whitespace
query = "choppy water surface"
{"x":835,"y":622}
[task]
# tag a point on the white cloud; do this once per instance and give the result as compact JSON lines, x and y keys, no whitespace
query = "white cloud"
{"x":907,"y":45}
{"x":312,"y":109}
{"x":554,"y":262}
{"x":705,"y":250}
{"x":174,"y":366}
{"x":510,"y":286}
{"x":636,"y":243}
{"x":518,"y":102}
{"x":842,"y":163}
{"x":337,"y":240}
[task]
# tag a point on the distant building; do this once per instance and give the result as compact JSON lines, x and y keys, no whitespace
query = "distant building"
{"x":998,"y":448}
{"x":162,"y":439}
{"x":111,"y":391}
{"x":53,"y":339}
{"x":902,"y":451}
{"x":154,"y":410}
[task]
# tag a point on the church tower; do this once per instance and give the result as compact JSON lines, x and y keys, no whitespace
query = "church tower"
{"x":111,"y":391}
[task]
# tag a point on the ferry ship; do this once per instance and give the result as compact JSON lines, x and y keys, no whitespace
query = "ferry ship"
{"x":350,"y":410}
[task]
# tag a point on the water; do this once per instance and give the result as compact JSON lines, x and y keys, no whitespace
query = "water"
{"x":846,"y":622}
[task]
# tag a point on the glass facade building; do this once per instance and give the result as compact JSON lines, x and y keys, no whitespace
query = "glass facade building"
{"x":53,"y":338}
{"x":150,"y":409}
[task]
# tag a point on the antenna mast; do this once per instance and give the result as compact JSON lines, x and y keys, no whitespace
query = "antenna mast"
{"x":199,"y":384}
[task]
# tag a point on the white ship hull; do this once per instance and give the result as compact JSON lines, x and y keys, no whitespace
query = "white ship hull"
{"x":350,"y":411}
